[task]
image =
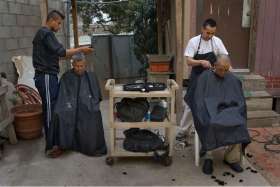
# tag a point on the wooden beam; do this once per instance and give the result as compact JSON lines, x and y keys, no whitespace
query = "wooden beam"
{"x":189,"y":29}
{"x":75,"y":22}
{"x":253,"y":34}
{"x":44,"y":11}
{"x":159,"y":26}
{"x":179,"y":55}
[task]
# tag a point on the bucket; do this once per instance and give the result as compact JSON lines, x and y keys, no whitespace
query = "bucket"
{"x":28,"y":121}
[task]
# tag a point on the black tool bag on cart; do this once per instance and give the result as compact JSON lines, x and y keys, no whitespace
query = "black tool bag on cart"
{"x":142,"y":140}
{"x":132,"y":110}
{"x":145,"y":87}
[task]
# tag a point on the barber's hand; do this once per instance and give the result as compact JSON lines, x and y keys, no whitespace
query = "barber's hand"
{"x":205,"y":63}
{"x":86,"y":50}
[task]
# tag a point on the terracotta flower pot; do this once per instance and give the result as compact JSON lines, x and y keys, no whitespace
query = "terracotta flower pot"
{"x":28,"y":121}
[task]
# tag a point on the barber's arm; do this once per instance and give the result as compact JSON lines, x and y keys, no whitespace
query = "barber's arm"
{"x":52,"y":44}
{"x":193,"y":62}
{"x":73,"y":51}
{"x":190,"y":52}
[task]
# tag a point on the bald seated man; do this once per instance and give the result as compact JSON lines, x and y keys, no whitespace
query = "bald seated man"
{"x":232,"y":156}
{"x":77,"y":117}
{"x":222,"y":66}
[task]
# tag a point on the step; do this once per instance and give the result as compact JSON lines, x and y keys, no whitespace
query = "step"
{"x":262,"y":118}
{"x":258,"y":100}
{"x":252,"y":82}
{"x":240,"y":71}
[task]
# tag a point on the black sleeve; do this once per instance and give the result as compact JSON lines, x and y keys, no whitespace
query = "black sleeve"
{"x":52,"y":44}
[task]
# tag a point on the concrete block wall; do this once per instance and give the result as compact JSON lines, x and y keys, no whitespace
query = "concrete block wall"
{"x":19,"y":21}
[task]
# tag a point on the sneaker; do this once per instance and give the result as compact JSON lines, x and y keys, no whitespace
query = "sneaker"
{"x":207,"y":167}
{"x":234,"y":166}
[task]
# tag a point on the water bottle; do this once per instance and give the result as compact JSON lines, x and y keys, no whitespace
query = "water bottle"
{"x":148,"y":116}
{"x":163,"y":103}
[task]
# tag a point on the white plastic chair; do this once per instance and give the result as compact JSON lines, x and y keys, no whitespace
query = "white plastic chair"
{"x":197,"y":148}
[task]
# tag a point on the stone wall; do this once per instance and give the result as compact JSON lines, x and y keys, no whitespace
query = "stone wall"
{"x":19,"y":21}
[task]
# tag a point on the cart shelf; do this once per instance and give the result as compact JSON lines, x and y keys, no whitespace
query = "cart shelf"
{"x":116,"y":91}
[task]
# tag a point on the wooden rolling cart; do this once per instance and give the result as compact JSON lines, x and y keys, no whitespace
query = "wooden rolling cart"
{"x":116,"y":91}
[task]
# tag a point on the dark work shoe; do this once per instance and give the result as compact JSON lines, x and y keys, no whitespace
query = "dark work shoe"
{"x":207,"y":167}
{"x":234,"y":166}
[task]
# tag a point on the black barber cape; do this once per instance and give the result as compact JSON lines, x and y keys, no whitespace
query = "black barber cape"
{"x":77,"y":121}
{"x":219,"y":111}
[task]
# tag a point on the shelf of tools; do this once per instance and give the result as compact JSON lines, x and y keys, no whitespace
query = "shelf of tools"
{"x":168,"y":125}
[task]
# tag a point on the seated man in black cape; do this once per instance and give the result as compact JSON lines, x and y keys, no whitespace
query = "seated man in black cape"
{"x":220,"y":116}
{"x":77,"y":118}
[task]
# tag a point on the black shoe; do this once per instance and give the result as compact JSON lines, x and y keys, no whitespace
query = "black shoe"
{"x":234,"y":166}
{"x":207,"y":167}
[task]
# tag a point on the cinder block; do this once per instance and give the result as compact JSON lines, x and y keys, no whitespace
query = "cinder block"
{"x":35,"y":2}
{"x":30,"y":31}
{"x":36,"y":10}
{"x":34,"y":20}
{"x":16,"y":32}
{"x":4,"y":7}
{"x":4,"y":54}
{"x":5,"y":32}
{"x":11,"y":44}
{"x":9,"y":19}
{"x":22,"y":1}
{"x":15,"y":8}
{"x":25,"y":42}
{"x":55,"y":4}
{"x":27,"y":10}
{"x":1,"y":15}
{"x":23,"y":20}
{"x":2,"y":45}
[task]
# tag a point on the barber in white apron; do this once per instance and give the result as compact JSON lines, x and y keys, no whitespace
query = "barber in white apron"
{"x":201,"y":54}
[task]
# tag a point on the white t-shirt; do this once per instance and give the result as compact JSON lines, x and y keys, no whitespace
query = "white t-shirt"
{"x":205,"y":46}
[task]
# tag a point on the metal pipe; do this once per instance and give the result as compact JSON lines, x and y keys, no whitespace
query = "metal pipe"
{"x":67,"y":11}
{"x":102,"y":3}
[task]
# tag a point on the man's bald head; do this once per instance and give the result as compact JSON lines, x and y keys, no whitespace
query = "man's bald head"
{"x":222,"y":65}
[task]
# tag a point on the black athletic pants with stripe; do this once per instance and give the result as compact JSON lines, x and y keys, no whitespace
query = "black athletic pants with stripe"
{"x":47,"y":85}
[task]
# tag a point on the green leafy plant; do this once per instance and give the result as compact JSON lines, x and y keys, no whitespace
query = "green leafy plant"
{"x":137,"y":16}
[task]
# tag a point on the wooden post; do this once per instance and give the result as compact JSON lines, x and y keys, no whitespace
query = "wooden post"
{"x":253,"y":34}
{"x":159,"y":26}
{"x":44,"y":11}
{"x":179,"y":55}
{"x":75,"y":23}
{"x":189,"y":29}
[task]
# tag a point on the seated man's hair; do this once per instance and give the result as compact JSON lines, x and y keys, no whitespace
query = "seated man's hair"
{"x":3,"y":75}
{"x":209,"y":22}
{"x":54,"y":14}
{"x":223,"y":57}
{"x":78,"y":57}
{"x":223,"y":60}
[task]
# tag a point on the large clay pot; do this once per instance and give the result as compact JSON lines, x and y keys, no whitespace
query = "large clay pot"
{"x":28,"y":121}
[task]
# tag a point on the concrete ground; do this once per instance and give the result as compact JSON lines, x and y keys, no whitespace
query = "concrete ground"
{"x":26,"y":164}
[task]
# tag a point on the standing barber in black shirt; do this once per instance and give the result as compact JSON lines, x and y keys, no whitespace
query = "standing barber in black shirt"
{"x":46,"y":53}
